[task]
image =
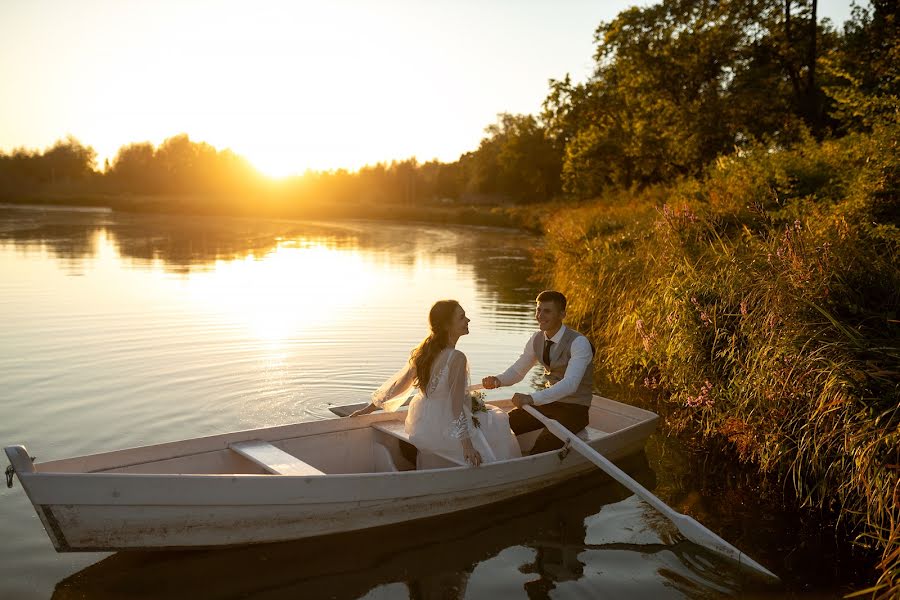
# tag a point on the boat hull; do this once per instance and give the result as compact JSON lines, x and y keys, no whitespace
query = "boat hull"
{"x":105,"y":511}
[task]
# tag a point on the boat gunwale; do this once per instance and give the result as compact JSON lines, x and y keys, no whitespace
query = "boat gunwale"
{"x":204,"y":489}
{"x":49,"y":489}
{"x":410,"y":472}
{"x":631,"y":412}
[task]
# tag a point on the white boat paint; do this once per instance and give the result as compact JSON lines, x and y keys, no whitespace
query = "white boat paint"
{"x":202,"y":492}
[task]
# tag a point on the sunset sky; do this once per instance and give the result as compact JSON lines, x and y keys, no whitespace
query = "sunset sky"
{"x":289,"y":85}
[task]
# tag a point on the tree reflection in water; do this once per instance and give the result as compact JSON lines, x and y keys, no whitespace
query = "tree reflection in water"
{"x":183,"y":244}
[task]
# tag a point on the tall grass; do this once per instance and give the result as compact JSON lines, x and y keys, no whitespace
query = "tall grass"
{"x":760,"y":305}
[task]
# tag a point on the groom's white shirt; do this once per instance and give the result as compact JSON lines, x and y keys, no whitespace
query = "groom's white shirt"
{"x":579,"y":360}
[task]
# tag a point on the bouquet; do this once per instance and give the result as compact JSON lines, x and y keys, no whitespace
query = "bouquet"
{"x":477,"y":399}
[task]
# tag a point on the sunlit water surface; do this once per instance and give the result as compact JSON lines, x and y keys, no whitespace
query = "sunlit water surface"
{"x":127,"y":330}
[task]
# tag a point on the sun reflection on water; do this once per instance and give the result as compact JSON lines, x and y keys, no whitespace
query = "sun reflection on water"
{"x":276,"y":295}
{"x":286,"y":290}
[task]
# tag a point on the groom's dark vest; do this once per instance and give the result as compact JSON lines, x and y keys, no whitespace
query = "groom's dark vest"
{"x":559,"y":359}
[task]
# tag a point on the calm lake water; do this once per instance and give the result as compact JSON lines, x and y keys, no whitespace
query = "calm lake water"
{"x":127,"y":330}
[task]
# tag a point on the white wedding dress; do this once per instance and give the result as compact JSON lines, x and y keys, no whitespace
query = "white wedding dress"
{"x":438,"y":419}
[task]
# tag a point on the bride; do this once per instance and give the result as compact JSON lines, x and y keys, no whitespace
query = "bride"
{"x":440,"y":416}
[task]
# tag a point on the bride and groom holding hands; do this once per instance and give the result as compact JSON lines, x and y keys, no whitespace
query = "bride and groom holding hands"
{"x":440,"y":418}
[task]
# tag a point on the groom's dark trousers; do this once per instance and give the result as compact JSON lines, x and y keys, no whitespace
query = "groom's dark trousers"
{"x":573,"y":417}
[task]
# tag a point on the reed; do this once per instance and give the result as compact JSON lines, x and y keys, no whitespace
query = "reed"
{"x":759,"y":305}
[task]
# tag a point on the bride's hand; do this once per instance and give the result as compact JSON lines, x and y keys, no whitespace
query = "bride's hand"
{"x":364,"y":411}
{"x":470,"y":453}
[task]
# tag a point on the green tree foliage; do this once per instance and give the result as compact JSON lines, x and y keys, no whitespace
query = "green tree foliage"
{"x":517,"y":160}
{"x":865,"y":69}
{"x":680,"y":82}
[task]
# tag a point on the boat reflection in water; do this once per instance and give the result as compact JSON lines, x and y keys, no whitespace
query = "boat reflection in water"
{"x":567,"y":540}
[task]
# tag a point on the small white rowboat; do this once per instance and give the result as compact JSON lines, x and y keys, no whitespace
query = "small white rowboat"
{"x":287,"y":482}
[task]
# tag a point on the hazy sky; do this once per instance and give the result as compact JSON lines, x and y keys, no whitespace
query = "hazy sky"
{"x":290,"y":85}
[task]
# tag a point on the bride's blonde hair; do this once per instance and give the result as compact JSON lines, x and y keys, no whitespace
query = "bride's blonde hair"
{"x":439,"y":319}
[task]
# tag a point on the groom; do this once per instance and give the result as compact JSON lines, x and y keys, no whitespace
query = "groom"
{"x":566,"y":356}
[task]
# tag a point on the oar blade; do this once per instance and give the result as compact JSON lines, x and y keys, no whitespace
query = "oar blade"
{"x":688,"y":527}
{"x":702,"y":536}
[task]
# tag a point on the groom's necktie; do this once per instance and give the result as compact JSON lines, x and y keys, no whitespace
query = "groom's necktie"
{"x":546,"y":357}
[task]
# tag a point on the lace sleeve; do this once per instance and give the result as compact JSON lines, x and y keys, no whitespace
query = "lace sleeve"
{"x":390,"y":396}
{"x":457,"y":376}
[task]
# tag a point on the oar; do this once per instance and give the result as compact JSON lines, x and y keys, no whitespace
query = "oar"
{"x":689,"y":527}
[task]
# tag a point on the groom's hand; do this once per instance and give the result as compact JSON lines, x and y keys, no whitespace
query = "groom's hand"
{"x":520,"y":400}
{"x":490,"y":382}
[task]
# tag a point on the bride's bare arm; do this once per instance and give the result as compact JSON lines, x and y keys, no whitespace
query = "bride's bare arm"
{"x":458,"y":396}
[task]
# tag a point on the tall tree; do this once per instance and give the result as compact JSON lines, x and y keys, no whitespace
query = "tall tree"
{"x":68,"y":160}
{"x":799,"y":54}
{"x":517,"y":159}
{"x":865,"y":70}
{"x":680,"y":82}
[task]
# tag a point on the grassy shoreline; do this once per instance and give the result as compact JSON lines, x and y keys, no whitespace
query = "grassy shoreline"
{"x":759,"y":305}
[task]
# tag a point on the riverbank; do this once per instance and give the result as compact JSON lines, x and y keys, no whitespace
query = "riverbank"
{"x":759,"y":306}
{"x":510,"y":216}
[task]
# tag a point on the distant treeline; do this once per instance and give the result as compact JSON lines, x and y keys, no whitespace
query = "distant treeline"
{"x":675,"y":86}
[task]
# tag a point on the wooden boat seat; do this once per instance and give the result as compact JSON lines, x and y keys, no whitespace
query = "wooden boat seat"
{"x":272,"y":459}
{"x":397,"y":429}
